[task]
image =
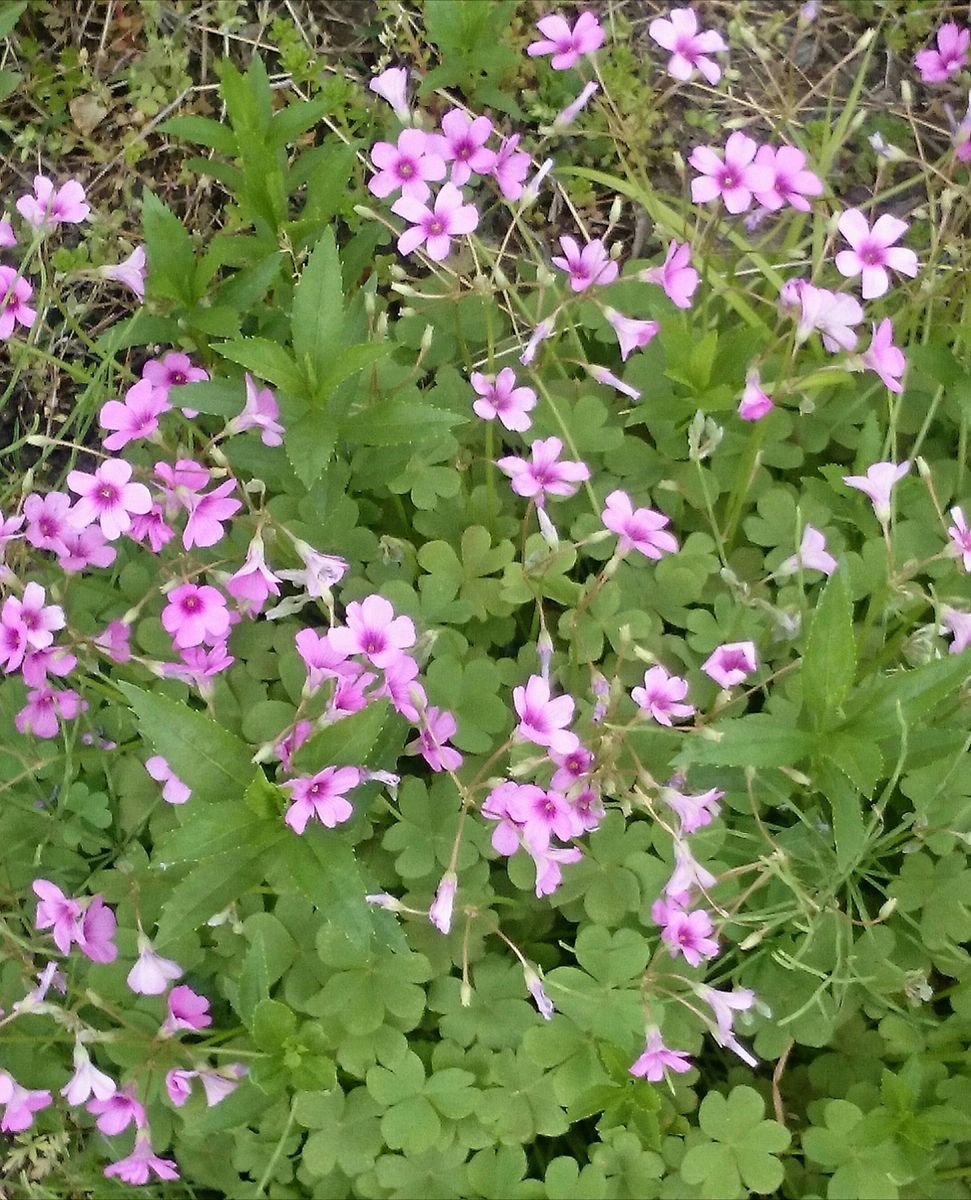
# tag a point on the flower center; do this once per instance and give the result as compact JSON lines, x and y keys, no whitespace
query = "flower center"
{"x":108,"y":494}
{"x":177,"y":378}
{"x":871,"y":256}
{"x":190,"y":604}
{"x":406,"y":170}
{"x":436,"y":228}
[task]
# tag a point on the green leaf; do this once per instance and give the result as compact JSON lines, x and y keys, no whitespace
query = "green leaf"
{"x":393,"y":422}
{"x":266,"y":359}
{"x":168,"y":252}
{"x":348,"y":742}
{"x":759,"y":740}
{"x":9,"y":82}
{"x":216,"y":397}
{"x":345,"y":362}
{"x":202,"y":131}
{"x":829,"y":664}
{"x":10,"y":15}
{"x":209,"y":759}
{"x":298,"y":117}
{"x":874,"y":711}
{"x":273,"y":1023}
{"x":317,"y":317}
{"x":309,"y":442}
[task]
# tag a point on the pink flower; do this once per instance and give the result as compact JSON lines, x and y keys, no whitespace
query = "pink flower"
{"x":440,"y":913}
{"x":960,"y":537}
{"x":218,"y":1084}
{"x":542,"y":720}
{"x":38,"y":621}
{"x":117,"y":1111}
{"x":319,"y":573}
{"x":571,"y":768}
{"x":937,"y":66}
{"x":791,"y":181}
{"x":408,"y":165}
{"x":134,"y":417}
{"x":15,"y":291}
{"x":372,"y":629}
{"x":811,"y":556}
{"x":609,"y":379}
{"x":687,"y":876}
{"x":695,"y":811}
{"x":569,"y":114}
{"x":632,"y":335}
{"x":884,"y":357}
{"x":498,"y":806}
{"x":392,"y":85}
{"x":114,"y":640}
{"x":321,"y":796}
{"x":85,"y":548}
{"x":661,"y":695}
{"x":187,"y":1010}
{"x":534,"y":985}
{"x":436,"y":728}
{"x":56,"y":912}
{"x":47,"y":207}
{"x":587,"y":266}
{"x":566,"y":44}
{"x":54,"y":660}
{"x":462,"y":143}
{"x":108,"y":497}
{"x":254,"y":582}
{"x":678,"y":278}
{"x":510,"y":168}
{"x":87,"y":1079}
{"x":500,"y":397}
{"x":958,"y":625}
{"x":639,"y":529}
{"x":178,"y":1084}
{"x":755,"y":404}
{"x":688,"y":934}
{"x":174,"y":370}
{"x":730,"y":663}
{"x":322,"y":659}
{"x":43,"y":707}
{"x":542,"y":815}
{"x":873,"y":250}
{"x":723,"y":1006}
{"x":688,"y":47}
{"x":174,"y":790}
{"x":95,"y":932}
{"x":539,"y":334}
{"x":733,"y":177}
{"x":400,"y":686}
{"x":261,"y":412}
{"x":20,"y":1104}
{"x":206,"y":516}
{"x":549,"y":864}
{"x":131,"y":272}
{"x":152,"y":528}
{"x":543,"y":475}
{"x":878,"y":483}
{"x":152,"y":973}
{"x":194,"y":615}
{"x":657,"y":1059}
{"x":435,"y":227}
{"x":832,"y":313}
{"x":7,"y":235}
{"x":137,"y":1168}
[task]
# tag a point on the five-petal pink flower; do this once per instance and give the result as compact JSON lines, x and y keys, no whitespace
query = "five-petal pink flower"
{"x":435,"y":227}
{"x":733,"y":176}
{"x":567,"y":44}
{"x":689,"y":47}
{"x":873,"y":251}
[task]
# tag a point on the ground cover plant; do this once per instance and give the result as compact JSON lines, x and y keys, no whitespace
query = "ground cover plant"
{"x":485,"y":603}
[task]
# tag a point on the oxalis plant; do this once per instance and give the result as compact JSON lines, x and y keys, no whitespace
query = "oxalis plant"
{"x":483,"y":712}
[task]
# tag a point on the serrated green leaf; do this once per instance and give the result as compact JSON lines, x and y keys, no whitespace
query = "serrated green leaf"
{"x":202,"y":131}
{"x":829,"y":663}
{"x":317,"y":317}
{"x":398,"y":423}
{"x":759,"y":740}
{"x":267,"y":360}
{"x":348,"y":742}
{"x":168,"y":252}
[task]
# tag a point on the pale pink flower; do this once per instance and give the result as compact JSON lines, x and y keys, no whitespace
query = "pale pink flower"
{"x":724,"y":1005}
{"x":543,"y":720}
{"x":44,"y":705}
{"x":539,"y":334}
{"x":151,"y":527}
{"x":320,"y":572}
{"x":408,"y":165}
{"x":661,"y":695}
{"x":568,"y":115}
{"x":811,"y":555}
{"x":208,"y":514}
{"x":187,"y":1010}
{"x":174,"y":790}
{"x":542,"y":815}
{"x":254,"y":582}
{"x":117,"y":1111}
{"x":134,"y":417}
{"x":321,"y":796}
{"x":322,"y":659}
{"x":174,"y":370}
{"x":755,"y":404}
{"x":20,"y":1104}
{"x":38,"y":620}
{"x":510,"y":168}
{"x":435,"y":227}
{"x":688,"y":875}
{"x":639,"y":529}
{"x":437,"y":726}
{"x":138,"y":1167}
{"x":689,"y":48}
{"x":962,"y":139}
{"x":114,"y":640}
{"x":676,"y":275}
{"x":696,"y":810}
{"x":49,"y":207}
{"x":733,"y":176}
{"x":534,"y":985}
{"x":218,"y":1084}
{"x":958,"y":625}
{"x":832,"y":313}
{"x":392,"y":85}
{"x":108,"y":497}
{"x":96,"y":931}
{"x":878,"y":483}
{"x":400,"y":686}
{"x":791,"y":181}
{"x":86,"y":1080}
{"x":730,"y":663}
{"x":53,"y":660}
{"x":544,"y":474}
{"x":960,"y":537}
{"x":585,"y":267}
{"x":7,"y":235}
{"x":152,"y":973}
{"x":884,"y":357}
{"x":463,"y":143}
{"x":657,"y":1059}
{"x":15,"y":291}
{"x":195,"y":614}
{"x":609,"y":379}
{"x":566,"y":44}
{"x":131,"y":272}
{"x":688,"y":934}
{"x":178,"y":1084}
{"x":500,"y":397}
{"x":56,"y":912}
{"x":571,"y":768}
{"x":937,"y":66}
{"x":261,"y":412}
{"x":549,"y":864}
{"x":372,"y":629}
{"x":85,"y":548}
{"x":873,"y":250}
{"x":631,"y":334}
{"x":440,"y":913}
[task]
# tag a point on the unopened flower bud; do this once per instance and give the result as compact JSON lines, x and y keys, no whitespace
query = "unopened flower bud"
{"x":465,"y":993}
{"x":887,"y":908}
{"x":615,"y":210}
